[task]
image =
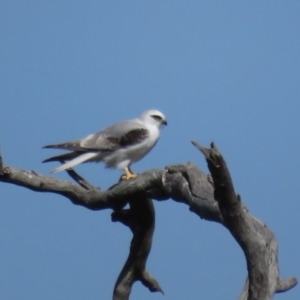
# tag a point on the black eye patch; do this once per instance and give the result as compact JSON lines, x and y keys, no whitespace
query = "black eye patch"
{"x":157,"y":118}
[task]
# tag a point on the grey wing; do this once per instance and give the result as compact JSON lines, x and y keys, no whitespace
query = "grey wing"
{"x":109,"y":139}
{"x":119,"y":135}
{"x":72,"y":146}
{"x":103,"y":140}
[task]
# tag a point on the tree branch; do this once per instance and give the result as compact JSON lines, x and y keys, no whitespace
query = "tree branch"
{"x":284,"y":285}
{"x":140,"y":218}
{"x":211,"y":197}
{"x":255,"y":238}
{"x":196,"y":190}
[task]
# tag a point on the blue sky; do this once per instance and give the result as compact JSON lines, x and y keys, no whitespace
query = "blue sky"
{"x":222,"y":71}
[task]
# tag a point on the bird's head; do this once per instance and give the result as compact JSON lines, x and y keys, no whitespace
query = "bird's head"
{"x":154,"y":117}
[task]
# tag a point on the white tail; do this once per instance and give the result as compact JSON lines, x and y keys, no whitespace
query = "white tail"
{"x":76,"y":161}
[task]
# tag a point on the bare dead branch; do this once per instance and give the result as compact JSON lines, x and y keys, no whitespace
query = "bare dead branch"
{"x":80,"y":180}
{"x":211,"y":197}
{"x":155,"y":184}
{"x":140,"y":218}
{"x":284,"y":285}
{"x":255,"y":238}
{"x":91,"y":199}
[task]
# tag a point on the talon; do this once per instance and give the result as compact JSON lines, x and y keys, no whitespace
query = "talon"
{"x":128,"y":174}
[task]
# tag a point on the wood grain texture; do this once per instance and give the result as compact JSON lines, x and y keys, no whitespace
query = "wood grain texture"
{"x":211,"y":196}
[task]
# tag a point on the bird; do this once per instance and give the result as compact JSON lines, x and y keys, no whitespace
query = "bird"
{"x":118,"y":145}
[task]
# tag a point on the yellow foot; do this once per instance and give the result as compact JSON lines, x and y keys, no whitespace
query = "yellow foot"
{"x":128,"y":175}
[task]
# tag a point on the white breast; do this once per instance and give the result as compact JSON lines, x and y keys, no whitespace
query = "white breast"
{"x":122,"y":158}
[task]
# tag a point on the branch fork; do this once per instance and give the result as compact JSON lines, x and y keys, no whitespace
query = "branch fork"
{"x":212,"y":197}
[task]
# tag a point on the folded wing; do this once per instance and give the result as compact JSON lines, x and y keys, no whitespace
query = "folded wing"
{"x":99,"y":145}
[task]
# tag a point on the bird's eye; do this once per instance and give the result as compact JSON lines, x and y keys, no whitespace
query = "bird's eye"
{"x":157,"y":118}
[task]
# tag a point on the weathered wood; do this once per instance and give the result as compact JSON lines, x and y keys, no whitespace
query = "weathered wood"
{"x":140,"y":218}
{"x":211,"y":197}
{"x":255,"y":238}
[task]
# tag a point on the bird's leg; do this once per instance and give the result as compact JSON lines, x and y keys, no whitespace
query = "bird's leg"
{"x":128,"y":174}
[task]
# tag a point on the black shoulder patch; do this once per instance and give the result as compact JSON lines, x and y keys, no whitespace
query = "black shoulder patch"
{"x":134,"y":137}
